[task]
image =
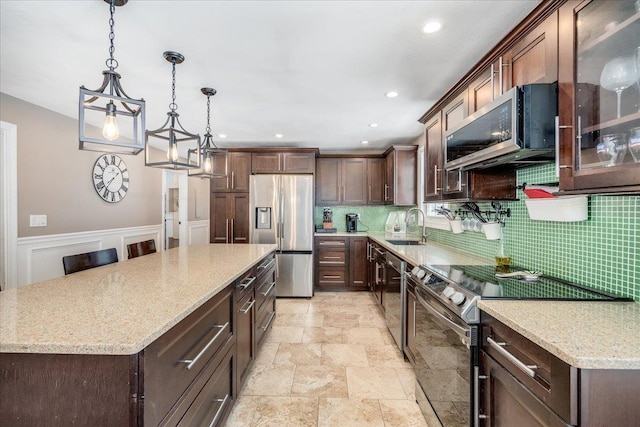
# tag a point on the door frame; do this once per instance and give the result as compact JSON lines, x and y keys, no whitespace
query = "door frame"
{"x":183,"y":202}
{"x":9,"y":217}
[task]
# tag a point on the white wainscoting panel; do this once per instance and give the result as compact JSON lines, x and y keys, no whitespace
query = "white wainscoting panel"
{"x":40,"y":257}
{"x":198,"y":232}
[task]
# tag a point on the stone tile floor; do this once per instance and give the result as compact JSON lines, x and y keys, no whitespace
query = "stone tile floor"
{"x":328,"y":361}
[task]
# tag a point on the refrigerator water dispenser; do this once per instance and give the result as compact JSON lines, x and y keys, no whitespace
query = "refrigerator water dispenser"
{"x":263,"y":217}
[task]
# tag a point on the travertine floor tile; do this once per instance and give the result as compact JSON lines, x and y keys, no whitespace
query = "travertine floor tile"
{"x":371,"y":320}
{"x":269,"y":380}
{"x":267,"y":353}
{"x":349,"y":412}
{"x":387,"y":338}
{"x":289,"y":334}
{"x":298,"y":354}
{"x":319,"y":381}
{"x":286,"y":412}
{"x":344,"y":355}
{"x":386,"y":355}
{"x":408,"y":381}
{"x":322,"y":335}
{"x":299,"y":319}
{"x":292,"y":306}
{"x":243,"y":412}
{"x":401,"y":413}
{"x":324,"y":307}
{"x":368,"y":336}
{"x":374,"y":383}
{"x":341,"y":320}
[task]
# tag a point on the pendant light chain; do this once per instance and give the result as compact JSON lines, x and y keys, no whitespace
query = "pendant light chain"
{"x":173,"y":106}
{"x":111,"y":62}
{"x":208,"y":129}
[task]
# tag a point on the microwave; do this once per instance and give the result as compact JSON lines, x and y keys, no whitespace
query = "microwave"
{"x":516,"y":129}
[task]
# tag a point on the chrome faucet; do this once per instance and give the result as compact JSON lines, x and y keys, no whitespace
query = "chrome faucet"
{"x":423,"y":234}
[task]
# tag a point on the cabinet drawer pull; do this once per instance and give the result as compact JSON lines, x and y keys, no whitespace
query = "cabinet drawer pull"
{"x":268,"y":291}
{"x":499,"y":347}
{"x":224,"y":401}
{"x":246,"y":282}
{"x":273,"y":314}
{"x":191,"y":362}
{"x":331,"y":277}
{"x":246,"y":310}
{"x":331,"y":262}
{"x":332,"y":243}
{"x":332,"y":257}
{"x":267,"y":265}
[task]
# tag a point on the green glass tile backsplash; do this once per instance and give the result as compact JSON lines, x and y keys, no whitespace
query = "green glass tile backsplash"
{"x":602,"y":252}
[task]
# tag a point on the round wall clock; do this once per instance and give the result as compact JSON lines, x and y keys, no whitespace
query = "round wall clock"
{"x":111,"y":178}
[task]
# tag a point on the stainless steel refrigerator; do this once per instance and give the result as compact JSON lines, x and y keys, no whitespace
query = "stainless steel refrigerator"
{"x":281,"y":211}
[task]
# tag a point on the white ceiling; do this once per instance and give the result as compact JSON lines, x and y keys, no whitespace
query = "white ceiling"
{"x":315,"y":71}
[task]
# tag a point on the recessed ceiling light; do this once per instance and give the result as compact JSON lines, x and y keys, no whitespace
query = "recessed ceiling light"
{"x":222,"y":135}
{"x":278,"y":135}
{"x":373,"y":125}
{"x":391,"y":94}
{"x":431,"y":27}
{"x":364,"y":142}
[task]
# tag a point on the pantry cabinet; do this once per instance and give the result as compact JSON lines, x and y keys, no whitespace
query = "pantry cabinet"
{"x":229,"y":218}
{"x":599,"y":99}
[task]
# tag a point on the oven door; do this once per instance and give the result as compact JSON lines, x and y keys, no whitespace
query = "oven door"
{"x":446,"y":353}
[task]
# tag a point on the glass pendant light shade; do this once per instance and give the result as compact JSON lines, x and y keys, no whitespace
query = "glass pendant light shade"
{"x":214,"y":159}
{"x":108,"y":119}
{"x":171,"y":146}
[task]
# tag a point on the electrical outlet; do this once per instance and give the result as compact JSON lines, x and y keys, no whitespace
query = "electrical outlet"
{"x":37,"y":220}
{"x":358,"y":216}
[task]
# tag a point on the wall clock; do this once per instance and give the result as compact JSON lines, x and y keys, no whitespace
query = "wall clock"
{"x":111,"y":178}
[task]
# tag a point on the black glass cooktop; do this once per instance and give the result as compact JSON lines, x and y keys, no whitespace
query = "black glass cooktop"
{"x":481,"y":280}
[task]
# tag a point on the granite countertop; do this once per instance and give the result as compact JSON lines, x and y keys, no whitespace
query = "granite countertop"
{"x":119,"y":308}
{"x":587,"y":335}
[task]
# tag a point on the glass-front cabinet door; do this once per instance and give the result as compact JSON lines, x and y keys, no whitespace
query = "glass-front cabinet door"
{"x":599,"y":81}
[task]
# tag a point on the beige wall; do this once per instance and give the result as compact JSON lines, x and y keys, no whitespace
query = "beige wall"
{"x":198,"y":199}
{"x":54,"y":177}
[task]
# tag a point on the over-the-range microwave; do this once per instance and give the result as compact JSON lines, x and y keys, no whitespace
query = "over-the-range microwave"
{"x":518,"y":129}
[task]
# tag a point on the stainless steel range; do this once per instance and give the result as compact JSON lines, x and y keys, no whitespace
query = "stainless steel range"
{"x":445,"y":331}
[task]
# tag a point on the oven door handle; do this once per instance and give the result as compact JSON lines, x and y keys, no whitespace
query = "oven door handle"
{"x":464,"y":333}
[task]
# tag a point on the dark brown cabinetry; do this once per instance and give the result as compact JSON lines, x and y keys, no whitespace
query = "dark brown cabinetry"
{"x":410,"y":327}
{"x":358,"y":262}
{"x":520,"y":383}
{"x":434,"y":155}
{"x":238,"y":171}
{"x":454,"y":181}
{"x":340,"y":263}
{"x":229,"y":218}
{"x":341,"y":181}
{"x":265,"y":298}
{"x":400,"y":175}
{"x":188,"y":376}
{"x":283,"y":162}
{"x":598,"y":139}
{"x":376,"y":180}
{"x":377,"y":272}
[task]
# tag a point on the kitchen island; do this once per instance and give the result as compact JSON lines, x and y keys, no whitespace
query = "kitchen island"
{"x":91,"y":348}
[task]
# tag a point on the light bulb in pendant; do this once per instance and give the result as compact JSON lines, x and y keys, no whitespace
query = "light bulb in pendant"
{"x":172,"y":153}
{"x":207,"y":165}
{"x":110,"y":129}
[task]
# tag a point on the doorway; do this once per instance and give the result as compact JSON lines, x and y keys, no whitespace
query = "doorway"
{"x":174,"y":208}
{"x":8,"y":205}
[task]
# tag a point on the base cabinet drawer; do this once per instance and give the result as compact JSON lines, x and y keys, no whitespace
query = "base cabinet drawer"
{"x":332,"y":276}
{"x":174,"y":360}
{"x":266,"y":288}
{"x":245,"y":336}
{"x":266,"y":316}
{"x":329,"y":256}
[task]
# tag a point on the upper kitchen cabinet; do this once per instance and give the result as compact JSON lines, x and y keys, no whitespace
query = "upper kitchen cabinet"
{"x":341,"y":181}
{"x":303,"y":161}
{"x":454,"y":181}
{"x":533,"y":58}
{"x":434,"y":153}
{"x":401,"y":175}
{"x":376,"y":180}
{"x":238,"y":171}
{"x":599,"y":96}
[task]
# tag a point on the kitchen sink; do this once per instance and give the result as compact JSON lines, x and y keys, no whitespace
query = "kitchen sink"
{"x":404,"y":242}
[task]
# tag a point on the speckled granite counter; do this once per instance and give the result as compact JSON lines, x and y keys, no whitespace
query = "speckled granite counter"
{"x":122,"y":307}
{"x":588,"y":335}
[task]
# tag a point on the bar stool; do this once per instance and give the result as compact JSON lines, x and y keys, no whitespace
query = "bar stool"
{"x":79,"y":262}
{"x":141,"y":248}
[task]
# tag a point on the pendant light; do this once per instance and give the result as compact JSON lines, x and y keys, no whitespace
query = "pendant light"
{"x":214,"y":159}
{"x":122,"y":118}
{"x":165,"y":145}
